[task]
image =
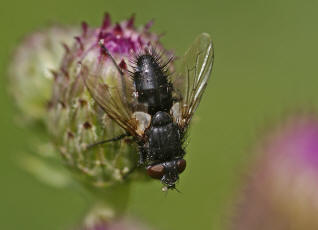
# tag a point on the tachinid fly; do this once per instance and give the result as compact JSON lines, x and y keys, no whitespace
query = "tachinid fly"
{"x":155,"y":107}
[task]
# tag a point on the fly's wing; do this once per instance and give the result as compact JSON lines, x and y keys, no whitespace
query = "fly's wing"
{"x":191,"y":80}
{"x":113,"y":93}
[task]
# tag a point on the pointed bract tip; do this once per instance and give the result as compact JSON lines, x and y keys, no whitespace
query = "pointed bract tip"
{"x":106,"y":21}
{"x":149,"y":24}
{"x":84,"y":28}
{"x":131,"y":21}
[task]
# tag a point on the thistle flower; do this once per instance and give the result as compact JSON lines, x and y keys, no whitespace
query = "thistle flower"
{"x":49,"y":87}
{"x":283,"y":192}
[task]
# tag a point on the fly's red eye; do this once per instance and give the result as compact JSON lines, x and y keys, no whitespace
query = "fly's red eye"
{"x":156,"y":171}
{"x":181,"y":164}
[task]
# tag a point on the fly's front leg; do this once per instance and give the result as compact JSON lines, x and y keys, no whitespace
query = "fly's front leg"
{"x":142,"y":156}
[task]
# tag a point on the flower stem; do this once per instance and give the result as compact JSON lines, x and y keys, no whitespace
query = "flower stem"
{"x":111,"y":202}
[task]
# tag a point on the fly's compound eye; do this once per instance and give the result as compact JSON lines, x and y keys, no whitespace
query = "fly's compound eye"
{"x":181,"y":165}
{"x":156,"y":171}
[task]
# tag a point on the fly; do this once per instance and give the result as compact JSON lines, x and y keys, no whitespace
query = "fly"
{"x":156,"y":108}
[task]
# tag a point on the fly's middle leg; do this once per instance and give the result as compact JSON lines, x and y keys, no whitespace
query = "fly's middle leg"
{"x":108,"y":140}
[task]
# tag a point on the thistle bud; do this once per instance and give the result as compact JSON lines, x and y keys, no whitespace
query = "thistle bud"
{"x":47,"y":84}
{"x":283,"y":190}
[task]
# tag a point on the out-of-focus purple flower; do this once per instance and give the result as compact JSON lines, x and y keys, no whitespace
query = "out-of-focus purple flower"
{"x":282,"y":192}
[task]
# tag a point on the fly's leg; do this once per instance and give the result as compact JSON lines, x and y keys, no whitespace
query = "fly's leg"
{"x":109,"y":140}
{"x":142,"y":157}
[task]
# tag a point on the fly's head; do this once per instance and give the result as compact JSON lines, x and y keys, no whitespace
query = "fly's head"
{"x":168,"y":172}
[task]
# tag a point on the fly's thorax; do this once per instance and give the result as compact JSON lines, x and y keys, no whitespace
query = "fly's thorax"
{"x":149,"y":74}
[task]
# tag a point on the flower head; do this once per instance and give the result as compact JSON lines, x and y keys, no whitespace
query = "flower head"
{"x":76,"y":121}
{"x":47,"y":85}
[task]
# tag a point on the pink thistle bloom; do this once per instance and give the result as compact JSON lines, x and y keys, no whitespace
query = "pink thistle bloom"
{"x":283,"y":190}
{"x":46,"y":81}
{"x":121,"y":39}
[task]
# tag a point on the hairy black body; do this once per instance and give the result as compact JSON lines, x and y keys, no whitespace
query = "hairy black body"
{"x":161,"y":149}
{"x":152,"y":86}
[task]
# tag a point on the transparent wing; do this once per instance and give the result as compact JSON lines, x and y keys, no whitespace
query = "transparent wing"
{"x":191,"y":80}
{"x":112,"y":93}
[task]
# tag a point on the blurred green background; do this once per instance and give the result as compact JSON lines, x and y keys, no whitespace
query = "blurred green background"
{"x":265,"y":65}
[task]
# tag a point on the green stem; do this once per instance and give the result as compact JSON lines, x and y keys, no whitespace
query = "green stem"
{"x":111,"y":202}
